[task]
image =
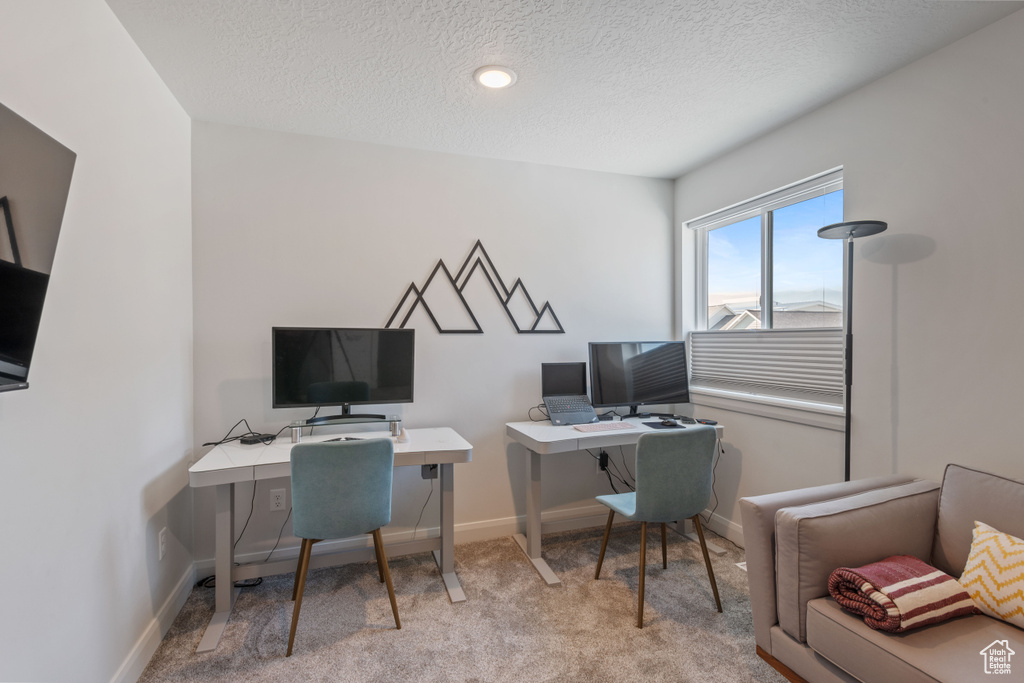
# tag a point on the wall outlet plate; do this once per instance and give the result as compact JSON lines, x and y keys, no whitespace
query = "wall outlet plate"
{"x":277,"y":499}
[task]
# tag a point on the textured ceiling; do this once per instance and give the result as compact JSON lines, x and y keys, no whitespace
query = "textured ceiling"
{"x":643,"y":87}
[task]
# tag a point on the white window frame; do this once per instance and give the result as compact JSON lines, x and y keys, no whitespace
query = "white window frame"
{"x":806,"y":411}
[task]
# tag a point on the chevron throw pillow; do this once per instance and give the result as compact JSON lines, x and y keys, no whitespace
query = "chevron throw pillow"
{"x":994,"y":575}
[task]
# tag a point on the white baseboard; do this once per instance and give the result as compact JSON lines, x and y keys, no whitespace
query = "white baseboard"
{"x":553,"y":521}
{"x":726,"y":528}
{"x":135,"y":663}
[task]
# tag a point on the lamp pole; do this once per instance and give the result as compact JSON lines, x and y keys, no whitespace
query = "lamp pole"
{"x":849,"y":231}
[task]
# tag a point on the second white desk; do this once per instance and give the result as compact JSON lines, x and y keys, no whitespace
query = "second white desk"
{"x":543,"y":438}
{"x":228,"y":464}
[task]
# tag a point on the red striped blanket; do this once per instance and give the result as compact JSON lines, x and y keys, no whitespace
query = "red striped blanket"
{"x":900,"y":593}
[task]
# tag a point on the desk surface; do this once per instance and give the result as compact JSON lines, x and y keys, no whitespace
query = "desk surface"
{"x":234,"y":462}
{"x":543,"y":437}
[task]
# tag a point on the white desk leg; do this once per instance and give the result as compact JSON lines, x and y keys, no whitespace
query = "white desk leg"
{"x":445,"y":557}
{"x":224,"y":560}
{"x":531,"y":542}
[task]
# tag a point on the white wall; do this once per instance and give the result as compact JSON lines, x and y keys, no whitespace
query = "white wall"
{"x":94,"y":452}
{"x":295,"y":230}
{"x":934,"y":149}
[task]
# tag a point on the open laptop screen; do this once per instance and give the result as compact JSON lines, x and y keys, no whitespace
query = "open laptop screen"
{"x":563,"y":379}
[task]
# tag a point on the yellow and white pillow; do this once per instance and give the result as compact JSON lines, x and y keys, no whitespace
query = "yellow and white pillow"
{"x":994,"y":575}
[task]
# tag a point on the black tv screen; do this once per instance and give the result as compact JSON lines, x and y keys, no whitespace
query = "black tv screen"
{"x":22,"y":292}
{"x":35,"y":178}
{"x":638,"y":373}
{"x":342,"y":366}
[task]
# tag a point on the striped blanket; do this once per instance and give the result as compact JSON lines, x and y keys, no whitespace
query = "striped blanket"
{"x":900,"y":593}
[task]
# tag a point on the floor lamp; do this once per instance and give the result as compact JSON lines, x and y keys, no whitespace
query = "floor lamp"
{"x":850,"y":231}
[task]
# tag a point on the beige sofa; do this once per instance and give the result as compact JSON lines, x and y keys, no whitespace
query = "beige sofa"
{"x":794,"y":540}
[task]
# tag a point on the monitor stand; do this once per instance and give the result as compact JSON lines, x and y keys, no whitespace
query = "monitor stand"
{"x":634,"y":413}
{"x":346,"y":414}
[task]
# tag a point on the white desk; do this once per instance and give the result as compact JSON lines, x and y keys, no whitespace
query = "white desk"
{"x":543,"y":438}
{"x":228,"y":464}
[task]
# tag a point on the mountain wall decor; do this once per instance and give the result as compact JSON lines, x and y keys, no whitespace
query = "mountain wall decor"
{"x":442,"y":300}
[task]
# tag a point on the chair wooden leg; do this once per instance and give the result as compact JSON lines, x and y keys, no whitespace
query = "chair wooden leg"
{"x":376,"y":553}
{"x":664,"y":548}
{"x":299,"y":570}
{"x":707,"y":559}
{"x":300,"y":588}
{"x":604,"y":543}
{"x":379,"y":543}
{"x":643,"y":570}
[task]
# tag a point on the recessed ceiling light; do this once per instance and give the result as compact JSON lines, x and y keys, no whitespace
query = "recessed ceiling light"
{"x":495,"y":76}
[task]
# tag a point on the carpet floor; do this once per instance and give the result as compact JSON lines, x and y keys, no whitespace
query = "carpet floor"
{"x":512,"y":626}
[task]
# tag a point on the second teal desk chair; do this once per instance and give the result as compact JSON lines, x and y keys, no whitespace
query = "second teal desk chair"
{"x":340,"y":489}
{"x":673,"y":482}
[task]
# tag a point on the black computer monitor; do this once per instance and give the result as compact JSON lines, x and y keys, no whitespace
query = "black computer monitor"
{"x":638,"y":373}
{"x":344,"y":367}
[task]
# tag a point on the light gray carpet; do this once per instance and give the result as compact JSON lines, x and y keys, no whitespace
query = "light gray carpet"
{"x":512,"y":627}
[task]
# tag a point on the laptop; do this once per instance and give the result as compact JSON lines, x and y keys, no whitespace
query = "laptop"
{"x":564,"y":390}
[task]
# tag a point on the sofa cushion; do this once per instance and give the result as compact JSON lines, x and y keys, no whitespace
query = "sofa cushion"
{"x":968,"y":496}
{"x":950,"y":651}
{"x":812,"y":540}
{"x":805,"y":662}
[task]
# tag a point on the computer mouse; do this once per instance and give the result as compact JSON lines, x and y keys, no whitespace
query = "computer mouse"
{"x":669,"y":423}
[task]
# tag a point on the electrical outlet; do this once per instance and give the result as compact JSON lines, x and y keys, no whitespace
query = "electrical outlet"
{"x":163,"y":543}
{"x":277,"y":499}
{"x":602,"y":462}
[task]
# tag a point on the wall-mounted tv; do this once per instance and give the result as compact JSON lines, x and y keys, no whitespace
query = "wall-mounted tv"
{"x":35,"y":177}
{"x":323,"y":367}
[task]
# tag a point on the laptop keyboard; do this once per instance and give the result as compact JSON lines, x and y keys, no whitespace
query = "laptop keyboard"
{"x":567,"y":403}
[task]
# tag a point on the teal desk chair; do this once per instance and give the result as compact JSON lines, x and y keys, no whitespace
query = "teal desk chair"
{"x":340,"y":489}
{"x":673,"y":482}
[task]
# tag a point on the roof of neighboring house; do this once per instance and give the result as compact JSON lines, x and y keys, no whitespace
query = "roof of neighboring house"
{"x":751,"y":319}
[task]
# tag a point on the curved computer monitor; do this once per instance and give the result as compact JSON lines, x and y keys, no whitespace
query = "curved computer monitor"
{"x":322,"y":367}
{"x":638,"y":373}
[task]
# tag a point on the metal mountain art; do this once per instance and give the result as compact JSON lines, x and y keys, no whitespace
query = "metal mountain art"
{"x":447,"y":295}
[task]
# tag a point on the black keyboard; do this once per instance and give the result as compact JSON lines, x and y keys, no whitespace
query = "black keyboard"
{"x":567,"y":403}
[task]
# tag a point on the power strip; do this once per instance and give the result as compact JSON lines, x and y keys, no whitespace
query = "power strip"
{"x":250,"y":439}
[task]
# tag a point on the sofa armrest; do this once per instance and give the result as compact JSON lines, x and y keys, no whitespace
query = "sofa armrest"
{"x":813,"y":540}
{"x":758,"y":519}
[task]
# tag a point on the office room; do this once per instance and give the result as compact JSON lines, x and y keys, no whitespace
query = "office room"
{"x":191,"y":231}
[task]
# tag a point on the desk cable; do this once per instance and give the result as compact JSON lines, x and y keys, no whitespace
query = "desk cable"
{"x":211,"y":581}
{"x":279,"y":534}
{"x":256,"y":436}
{"x":719,"y":451}
{"x":617,"y":474}
{"x":418,"y":519}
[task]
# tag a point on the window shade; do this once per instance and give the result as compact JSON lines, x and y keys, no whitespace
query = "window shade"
{"x":805,"y":364}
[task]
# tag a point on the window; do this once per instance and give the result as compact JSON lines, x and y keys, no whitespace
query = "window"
{"x":768,"y":250}
{"x":770,"y":298}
